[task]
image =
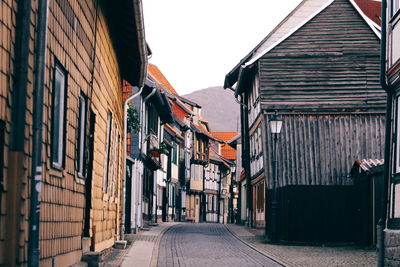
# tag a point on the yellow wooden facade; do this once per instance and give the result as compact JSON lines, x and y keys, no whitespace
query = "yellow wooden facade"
{"x":79,"y":39}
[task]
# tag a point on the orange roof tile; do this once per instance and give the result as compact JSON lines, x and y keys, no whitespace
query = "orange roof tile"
{"x":228,"y":152}
{"x":225,"y":136}
{"x":155,"y":72}
{"x":203,"y":119}
{"x":371,"y":8}
{"x":178,"y":111}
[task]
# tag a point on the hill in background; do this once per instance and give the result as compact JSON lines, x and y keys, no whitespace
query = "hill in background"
{"x":218,"y":107}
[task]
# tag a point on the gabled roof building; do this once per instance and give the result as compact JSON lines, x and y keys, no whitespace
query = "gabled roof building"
{"x":319,"y":71}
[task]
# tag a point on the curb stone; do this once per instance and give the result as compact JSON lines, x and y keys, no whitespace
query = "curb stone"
{"x":274,"y":258}
{"x":154,"y":255}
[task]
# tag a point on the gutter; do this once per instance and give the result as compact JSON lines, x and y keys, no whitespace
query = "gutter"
{"x":142,"y":46}
{"x":245,"y":157}
{"x":36,"y":179}
{"x":388,"y":139}
{"x":144,"y":54}
{"x":122,"y":227}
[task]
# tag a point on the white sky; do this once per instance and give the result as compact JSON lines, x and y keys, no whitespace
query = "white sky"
{"x":195,"y":43}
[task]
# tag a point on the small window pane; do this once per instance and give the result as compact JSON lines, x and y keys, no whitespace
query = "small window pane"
{"x":58,"y":117}
{"x":81,"y":136}
{"x":396,"y":201}
{"x":395,"y":6}
{"x":397,"y":165}
{"x":107,"y":152}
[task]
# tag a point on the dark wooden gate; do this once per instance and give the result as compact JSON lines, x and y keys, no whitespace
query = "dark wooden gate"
{"x":319,"y":214}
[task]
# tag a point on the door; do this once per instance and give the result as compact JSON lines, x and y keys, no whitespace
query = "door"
{"x":197,"y":208}
{"x":164,"y":205}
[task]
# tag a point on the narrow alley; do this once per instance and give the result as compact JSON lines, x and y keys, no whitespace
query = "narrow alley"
{"x":207,"y":245}
{"x":199,"y":133}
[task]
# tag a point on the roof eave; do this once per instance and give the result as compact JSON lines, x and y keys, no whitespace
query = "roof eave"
{"x":125,"y":19}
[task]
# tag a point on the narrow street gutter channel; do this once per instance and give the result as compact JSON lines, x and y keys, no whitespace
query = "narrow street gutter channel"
{"x":273,"y":258}
{"x":154,"y":255}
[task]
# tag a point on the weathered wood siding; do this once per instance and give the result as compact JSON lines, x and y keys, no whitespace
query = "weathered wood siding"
{"x":70,"y":41}
{"x":14,"y":206}
{"x":332,"y":62}
{"x":320,"y":149}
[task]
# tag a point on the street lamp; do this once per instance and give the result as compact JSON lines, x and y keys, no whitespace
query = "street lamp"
{"x":275,"y":123}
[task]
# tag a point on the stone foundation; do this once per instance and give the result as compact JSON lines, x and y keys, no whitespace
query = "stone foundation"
{"x":392,"y":247}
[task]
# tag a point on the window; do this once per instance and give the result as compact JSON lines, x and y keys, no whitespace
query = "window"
{"x":394,"y":217}
{"x":260,"y":150}
{"x":174,"y":153}
{"x":107,"y":151}
{"x":395,"y":6}
{"x":113,"y":159}
{"x":58,"y":118}
{"x":152,"y":121}
{"x":171,"y":195}
{"x":81,"y":136}
{"x":397,"y":158}
{"x":260,"y":197}
{"x":2,"y":145}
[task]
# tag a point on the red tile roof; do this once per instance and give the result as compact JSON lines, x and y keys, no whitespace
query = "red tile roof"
{"x":226,"y":150}
{"x":178,"y":111}
{"x":156,"y":74}
{"x":225,"y":136}
{"x":371,"y":8}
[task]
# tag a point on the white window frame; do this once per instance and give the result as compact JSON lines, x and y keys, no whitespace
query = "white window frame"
{"x":114,"y":145}
{"x":107,"y":151}
{"x":81,"y":135}
{"x":59,"y":110}
{"x":395,"y":7}
{"x":394,"y":214}
{"x":397,"y":158}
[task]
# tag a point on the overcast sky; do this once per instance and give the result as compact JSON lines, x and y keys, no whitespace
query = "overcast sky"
{"x":196,"y":42}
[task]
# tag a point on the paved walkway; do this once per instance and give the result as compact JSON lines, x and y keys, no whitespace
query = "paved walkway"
{"x":300,"y":256}
{"x":207,"y":244}
{"x":144,"y":250}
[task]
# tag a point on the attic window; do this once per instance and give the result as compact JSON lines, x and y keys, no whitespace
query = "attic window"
{"x":395,"y":7}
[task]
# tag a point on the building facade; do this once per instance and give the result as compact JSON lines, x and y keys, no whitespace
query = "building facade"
{"x":390,"y":80}
{"x":78,"y":186}
{"x":308,"y":70}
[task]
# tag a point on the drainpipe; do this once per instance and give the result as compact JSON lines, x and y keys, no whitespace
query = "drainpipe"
{"x":18,"y":83}
{"x":143,"y":139}
{"x":246,"y":158}
{"x":144,"y":57}
{"x":219,"y":193}
{"x":388,"y":139}
{"x":126,"y":102}
{"x":219,"y":198}
{"x":36,"y":179}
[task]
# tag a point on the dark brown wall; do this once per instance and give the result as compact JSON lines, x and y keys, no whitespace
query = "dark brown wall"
{"x":331,"y":63}
{"x":320,"y":149}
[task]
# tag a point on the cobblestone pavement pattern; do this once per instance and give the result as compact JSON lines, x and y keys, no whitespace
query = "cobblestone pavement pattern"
{"x":308,"y":256}
{"x":206,"y":245}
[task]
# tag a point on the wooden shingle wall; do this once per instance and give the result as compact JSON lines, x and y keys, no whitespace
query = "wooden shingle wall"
{"x":331,"y":63}
{"x":7,"y":36}
{"x":71,"y":41}
{"x":14,"y":201}
{"x":320,"y":149}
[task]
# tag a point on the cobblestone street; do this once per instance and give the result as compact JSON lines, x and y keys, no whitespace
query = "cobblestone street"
{"x":206,"y":245}
{"x":306,"y":256}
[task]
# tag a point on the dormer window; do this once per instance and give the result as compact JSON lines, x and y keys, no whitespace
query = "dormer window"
{"x":395,"y":6}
